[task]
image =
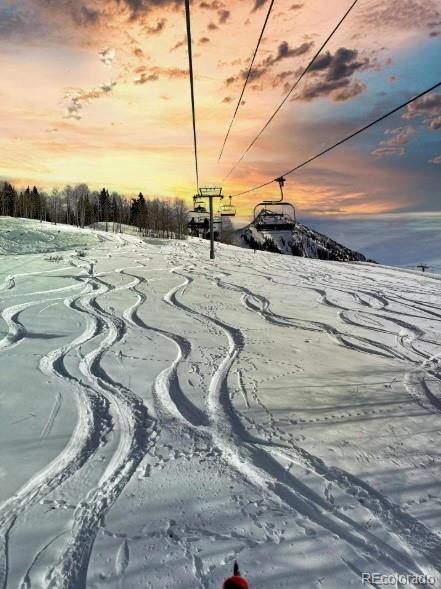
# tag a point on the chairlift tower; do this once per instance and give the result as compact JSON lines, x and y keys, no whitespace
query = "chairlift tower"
{"x":423,"y":267}
{"x":211,"y":192}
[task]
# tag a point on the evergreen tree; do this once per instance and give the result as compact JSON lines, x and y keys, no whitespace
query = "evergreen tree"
{"x":104,"y":205}
{"x":142,"y":212}
{"x":27,"y":202}
{"x":9,"y":200}
{"x":35,"y":203}
{"x":134,"y":212}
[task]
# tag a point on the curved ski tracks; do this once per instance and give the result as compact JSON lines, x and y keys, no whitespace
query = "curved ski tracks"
{"x":93,"y":423}
{"x":251,"y":458}
{"x":137,"y":437}
{"x":260,"y":469}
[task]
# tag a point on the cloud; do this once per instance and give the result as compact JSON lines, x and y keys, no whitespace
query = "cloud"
{"x":203,"y":41}
{"x":384,"y":151}
{"x":427,"y":106}
{"x":224,"y":16}
{"x":395,"y":145}
{"x":227,"y":99}
{"x":107,"y":87}
{"x":436,"y":160}
{"x":284,"y":51}
{"x":349,"y":91}
{"x":392,"y":79}
{"x":255,"y":74}
{"x":331,"y":75}
{"x":400,"y":14}
{"x":340,"y":65}
{"x":77,"y":98}
{"x":107,"y":56}
{"x":144,"y":78}
{"x":337,"y":90}
{"x":258,"y":4}
{"x":222,"y":63}
{"x":138,"y":52}
{"x":175,"y":73}
{"x":214,"y":5}
{"x":179,"y":44}
{"x":156,"y":29}
{"x":281,"y":77}
{"x":400,"y":136}
{"x":140,"y":7}
{"x":74,"y":109}
{"x":435,"y":124}
{"x":93,"y":13}
{"x":392,"y":238}
{"x":296,"y":6}
{"x":12,"y":22}
{"x":153,"y":74}
{"x":19,"y":25}
{"x":212,"y":26}
{"x":79,"y":12}
{"x":87,"y":16}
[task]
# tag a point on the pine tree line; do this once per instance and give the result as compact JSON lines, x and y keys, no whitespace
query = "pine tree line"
{"x":78,"y":205}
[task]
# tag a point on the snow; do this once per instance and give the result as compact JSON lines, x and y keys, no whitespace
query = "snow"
{"x":28,"y":236}
{"x":163,"y":414}
{"x":299,"y":240}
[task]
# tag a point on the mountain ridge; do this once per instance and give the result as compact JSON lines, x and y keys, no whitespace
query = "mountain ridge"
{"x":301,"y":241}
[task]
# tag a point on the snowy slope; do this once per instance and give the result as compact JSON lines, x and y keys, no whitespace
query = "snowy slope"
{"x":162,"y":415}
{"x":301,"y":241}
{"x":28,"y":236}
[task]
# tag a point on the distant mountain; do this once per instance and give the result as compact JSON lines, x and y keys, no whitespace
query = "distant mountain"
{"x":277,"y":233}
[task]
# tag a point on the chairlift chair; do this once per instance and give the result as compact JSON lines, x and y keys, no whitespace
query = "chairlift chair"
{"x":266,"y":219}
{"x":228,"y":210}
{"x":199,"y":219}
{"x":198,"y":204}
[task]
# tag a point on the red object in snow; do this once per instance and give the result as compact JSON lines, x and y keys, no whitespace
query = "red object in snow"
{"x":236,"y":582}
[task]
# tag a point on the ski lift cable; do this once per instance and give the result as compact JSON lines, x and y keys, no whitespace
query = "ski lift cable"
{"x":354,"y":134}
{"x":246,"y":79}
{"x":190,"y":67}
{"x":294,"y":86}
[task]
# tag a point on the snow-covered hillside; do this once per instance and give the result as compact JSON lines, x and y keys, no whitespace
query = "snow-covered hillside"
{"x":27,"y":236}
{"x":301,"y":241}
{"x":162,"y":415}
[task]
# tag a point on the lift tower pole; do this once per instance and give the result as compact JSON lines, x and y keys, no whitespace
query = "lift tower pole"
{"x":211,"y":192}
{"x":210,"y":199}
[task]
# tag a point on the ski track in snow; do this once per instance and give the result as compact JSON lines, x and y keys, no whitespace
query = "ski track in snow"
{"x":52,"y":416}
{"x":414,"y":380}
{"x":137,"y":436}
{"x":404,"y":525}
{"x":261,"y":465}
{"x":94,"y":421}
{"x":92,"y":424}
{"x":104,"y":404}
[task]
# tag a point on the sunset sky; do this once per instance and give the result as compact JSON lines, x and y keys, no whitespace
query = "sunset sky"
{"x":97,"y":91}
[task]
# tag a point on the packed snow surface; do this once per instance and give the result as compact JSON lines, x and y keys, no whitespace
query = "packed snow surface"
{"x":163,"y":415}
